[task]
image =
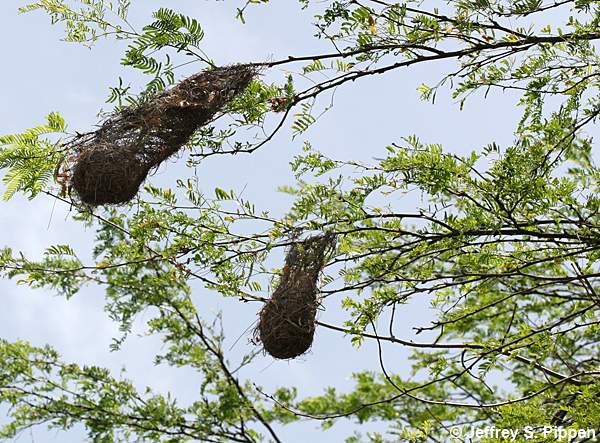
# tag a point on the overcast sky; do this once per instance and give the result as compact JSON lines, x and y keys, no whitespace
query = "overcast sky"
{"x":41,"y":74}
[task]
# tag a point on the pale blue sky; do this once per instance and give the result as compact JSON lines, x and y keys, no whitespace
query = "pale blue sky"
{"x":42,"y":74}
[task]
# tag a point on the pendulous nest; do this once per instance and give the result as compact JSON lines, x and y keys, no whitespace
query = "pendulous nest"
{"x":109,"y":165}
{"x":287,"y":321}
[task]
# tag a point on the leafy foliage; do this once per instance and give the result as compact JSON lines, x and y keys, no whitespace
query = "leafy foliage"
{"x":30,"y":160}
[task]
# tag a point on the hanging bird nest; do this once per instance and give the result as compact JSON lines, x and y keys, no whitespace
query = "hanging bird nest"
{"x":287,"y":321}
{"x":109,"y":165}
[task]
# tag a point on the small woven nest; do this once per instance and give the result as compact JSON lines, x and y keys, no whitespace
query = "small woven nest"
{"x":287,"y":321}
{"x":109,"y":165}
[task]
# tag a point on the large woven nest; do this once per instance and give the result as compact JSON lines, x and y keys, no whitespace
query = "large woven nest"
{"x":287,"y":321}
{"x":109,"y":165}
